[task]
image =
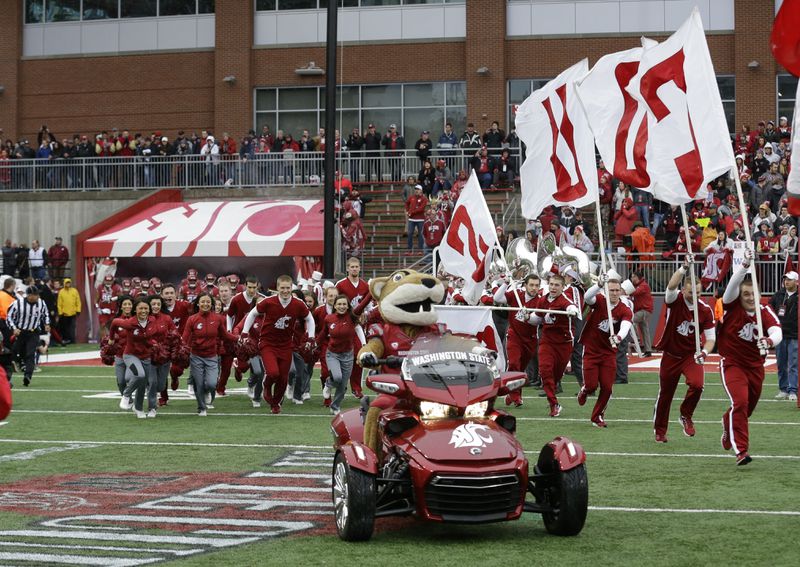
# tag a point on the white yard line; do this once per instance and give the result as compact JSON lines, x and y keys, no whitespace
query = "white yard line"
{"x":694,"y":511}
{"x":30,"y":455}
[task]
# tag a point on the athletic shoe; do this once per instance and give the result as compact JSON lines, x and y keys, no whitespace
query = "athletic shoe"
{"x":162,"y":402}
{"x":306,"y":396}
{"x":559,"y":390}
{"x":208,"y":398}
{"x":515,"y":400}
{"x":688,"y":426}
{"x":190,"y":389}
{"x":209,"y":406}
{"x":237,"y":374}
{"x":151,"y":413}
{"x":26,"y":381}
{"x":326,"y":392}
{"x":221,"y":393}
{"x":140,"y":414}
{"x":297,"y":402}
{"x":582,"y":395}
{"x":782,"y":395}
{"x":661,"y":438}
{"x":793,"y":397}
{"x":276,"y":408}
{"x":174,"y":383}
{"x":256,"y":404}
{"x":358,"y":394}
{"x":599,"y":422}
{"x":555,"y":411}
{"x":251,"y":392}
{"x":326,"y":402}
{"x":725,"y":440}
{"x":201,"y":413}
{"x":124,"y":403}
{"x":743,"y":458}
{"x":335,"y":411}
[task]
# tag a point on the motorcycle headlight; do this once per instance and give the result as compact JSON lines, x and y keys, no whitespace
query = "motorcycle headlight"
{"x":477,"y":410}
{"x":433,"y":410}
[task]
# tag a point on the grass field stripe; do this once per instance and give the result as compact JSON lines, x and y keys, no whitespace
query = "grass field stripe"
{"x":30,"y":455}
{"x":694,"y":511}
{"x":178,"y":552}
{"x":53,"y":558}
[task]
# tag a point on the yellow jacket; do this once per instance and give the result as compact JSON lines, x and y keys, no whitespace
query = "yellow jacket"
{"x":69,"y":302}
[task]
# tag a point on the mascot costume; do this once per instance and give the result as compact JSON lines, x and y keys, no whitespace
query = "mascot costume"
{"x":405,"y":301}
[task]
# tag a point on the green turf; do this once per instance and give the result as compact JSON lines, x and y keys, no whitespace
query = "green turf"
{"x":54,"y":409}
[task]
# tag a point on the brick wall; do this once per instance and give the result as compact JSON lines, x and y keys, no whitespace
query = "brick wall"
{"x":486,"y":47}
{"x":11,"y":48}
{"x":233,"y":102}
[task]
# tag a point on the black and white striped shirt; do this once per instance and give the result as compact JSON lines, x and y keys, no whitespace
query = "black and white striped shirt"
{"x":27,"y":316}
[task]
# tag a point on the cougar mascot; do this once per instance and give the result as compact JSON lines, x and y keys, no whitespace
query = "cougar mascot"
{"x":405,"y":300}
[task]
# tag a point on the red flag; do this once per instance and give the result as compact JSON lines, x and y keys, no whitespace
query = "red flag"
{"x":789,"y":265}
{"x":785,"y":38}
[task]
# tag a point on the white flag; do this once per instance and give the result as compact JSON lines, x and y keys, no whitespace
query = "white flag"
{"x":476,"y":323}
{"x":688,"y":140}
{"x":793,"y":182}
{"x":560,"y":166}
{"x":467,"y":245}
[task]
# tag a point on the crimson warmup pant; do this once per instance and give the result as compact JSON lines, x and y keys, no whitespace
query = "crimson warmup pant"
{"x":599,"y":369}
{"x":553,"y":360}
{"x":276,"y":373}
{"x":225,"y":372}
{"x":519,"y":354}
{"x":743,"y":386}
{"x":668,"y":378}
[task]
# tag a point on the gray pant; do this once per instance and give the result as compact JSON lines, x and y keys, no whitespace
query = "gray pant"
{"x":576,"y":359}
{"x":137,"y":375}
{"x":119,"y":371}
{"x":300,"y":376}
{"x":157,"y":383}
{"x":641,"y":324}
{"x":256,"y":379}
{"x":340,"y":365}
{"x":204,"y":373}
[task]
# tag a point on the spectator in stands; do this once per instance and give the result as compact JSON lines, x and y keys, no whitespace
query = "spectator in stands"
{"x":784,"y":130}
{"x":372,"y":148}
{"x":470,"y":140}
{"x":393,"y":144}
{"x":579,"y":240}
{"x":432,"y":229}
{"x":505,"y":170}
{"x":458,"y":184}
{"x":760,"y":164}
{"x":771,"y":135}
{"x":210,"y":154}
{"x":789,"y":240}
{"x":623,"y":192}
{"x":642,"y":202}
{"x":58,"y":256}
{"x":493,"y":139}
{"x":37,"y":261}
{"x":355,"y":145}
{"x":23,"y":264}
{"x":5,"y":169}
{"x":424,"y":146}
{"x":353,"y":237}
{"x":415,"y":213}
{"x":342,"y":186}
{"x":9,"y":258}
{"x":606,"y":196}
{"x":426,"y":178}
{"x":708,"y":234}
{"x":720,"y":243}
{"x":448,"y":142}
{"x":408,"y":188}
{"x":567,"y":221}
{"x":445,"y":206}
{"x":444,"y":179}
{"x":642,"y":297}
{"x":624,"y":219}
{"x":483,"y":165}
{"x":765,"y":216}
{"x":774,"y":186}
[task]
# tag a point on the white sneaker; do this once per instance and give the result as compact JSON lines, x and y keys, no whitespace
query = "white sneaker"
{"x":251,"y":391}
{"x":151,"y":413}
{"x":140,"y":414}
{"x":256,"y":404}
{"x":782,"y":395}
{"x":209,"y":406}
{"x":190,"y":389}
{"x":335,"y":411}
{"x":306,"y":396}
{"x":793,"y":397}
{"x":297,"y":402}
{"x":326,"y":392}
{"x":125,"y":403}
{"x":208,"y":398}
{"x":202,"y":413}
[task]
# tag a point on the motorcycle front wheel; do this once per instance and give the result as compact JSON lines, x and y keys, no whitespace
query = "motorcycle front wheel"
{"x":353,"y":494}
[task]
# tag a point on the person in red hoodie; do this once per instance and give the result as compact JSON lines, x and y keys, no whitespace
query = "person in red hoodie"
{"x":432,"y":229}
{"x":338,"y":333}
{"x":140,"y":333}
{"x":320,"y":313}
{"x":201,"y":334}
{"x":642,"y":297}
{"x":164,"y":326}
{"x":117,"y":335}
{"x":415,"y":212}
{"x":624,"y":219}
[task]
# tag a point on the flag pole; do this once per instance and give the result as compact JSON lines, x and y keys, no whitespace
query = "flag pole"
{"x":749,"y":240}
{"x":694,"y":282}
{"x":504,"y":308}
{"x":511,"y":278}
{"x":599,"y":220}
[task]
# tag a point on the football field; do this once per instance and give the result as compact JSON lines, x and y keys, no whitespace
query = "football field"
{"x":84,"y":483}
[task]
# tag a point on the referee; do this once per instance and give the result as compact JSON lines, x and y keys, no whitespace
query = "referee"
{"x":27,"y":317}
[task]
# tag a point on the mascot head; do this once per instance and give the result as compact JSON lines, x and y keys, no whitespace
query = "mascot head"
{"x":406,"y":297}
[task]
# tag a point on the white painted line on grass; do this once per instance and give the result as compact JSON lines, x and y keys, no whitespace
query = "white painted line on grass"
{"x":694,"y":511}
{"x":30,"y":455}
{"x":691,"y":455}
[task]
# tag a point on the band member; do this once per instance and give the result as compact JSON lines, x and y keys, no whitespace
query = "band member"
{"x":600,"y":343}
{"x":680,"y":353}
{"x":106,"y":303}
{"x":275,"y":341}
{"x":742,"y":353}
{"x":521,"y":342}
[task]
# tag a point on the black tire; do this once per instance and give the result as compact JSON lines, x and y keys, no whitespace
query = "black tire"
{"x":353,"y":493}
{"x":569,"y":495}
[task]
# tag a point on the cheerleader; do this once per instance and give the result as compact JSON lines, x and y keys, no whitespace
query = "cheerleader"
{"x":320,"y":313}
{"x":302,"y":358}
{"x":140,"y":331}
{"x":116,"y":336}
{"x":338,"y":334}
{"x":201,"y":334}
{"x":160,"y":368}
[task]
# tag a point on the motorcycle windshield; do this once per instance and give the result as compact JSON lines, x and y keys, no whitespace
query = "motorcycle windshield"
{"x":450,"y":369}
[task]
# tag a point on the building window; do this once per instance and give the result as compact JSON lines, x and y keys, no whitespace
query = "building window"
{"x":270,"y":5}
{"x":413,"y":107}
{"x":139,"y":8}
{"x":727,"y":92}
{"x":518,"y":91}
{"x":51,"y":11}
{"x":787,"y":91}
{"x":100,"y":9}
{"x":34,"y":11}
{"x":63,"y":11}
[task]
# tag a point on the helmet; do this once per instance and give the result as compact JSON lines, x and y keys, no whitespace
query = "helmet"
{"x":136,"y":281}
{"x":222,"y":279}
{"x":210,"y":278}
{"x":155,"y":283}
{"x":145,"y":284}
{"x":191,"y":274}
{"x":126,"y":283}
{"x":233,"y":279}
{"x":108,"y":279}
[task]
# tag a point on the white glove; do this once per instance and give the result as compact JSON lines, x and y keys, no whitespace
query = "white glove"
{"x":764,"y":343}
{"x":602,"y":279}
{"x":700,"y":357}
{"x":573,"y":311}
{"x":523,"y":315}
{"x":615,"y":340}
{"x":105,"y":311}
{"x":748,"y":257}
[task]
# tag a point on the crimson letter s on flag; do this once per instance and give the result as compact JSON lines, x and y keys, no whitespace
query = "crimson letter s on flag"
{"x":560,"y":165}
{"x":466,"y":248}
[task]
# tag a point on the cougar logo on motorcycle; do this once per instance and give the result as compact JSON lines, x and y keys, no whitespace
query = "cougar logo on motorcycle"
{"x":470,"y":435}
